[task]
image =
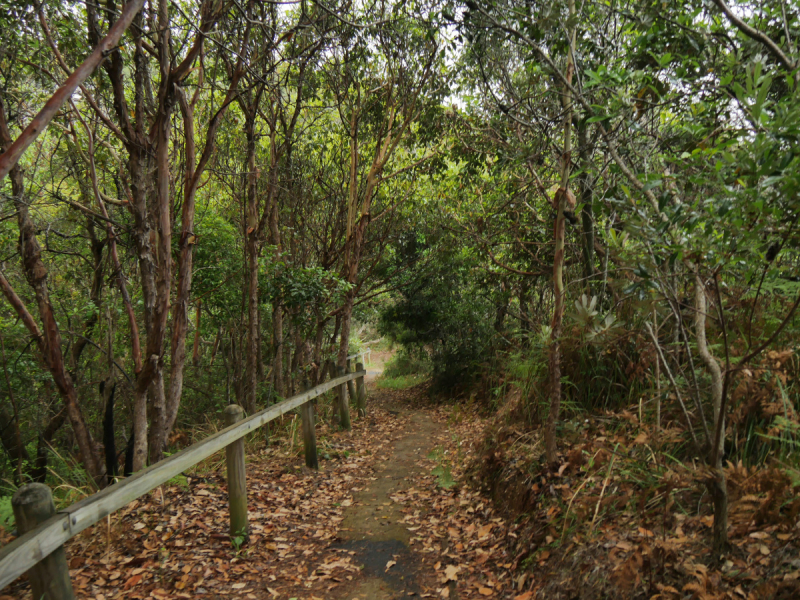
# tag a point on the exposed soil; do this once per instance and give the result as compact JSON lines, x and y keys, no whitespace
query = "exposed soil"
{"x":373,"y":526}
{"x":376,"y":363}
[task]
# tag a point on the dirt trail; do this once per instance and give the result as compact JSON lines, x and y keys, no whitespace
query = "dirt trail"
{"x":373,"y":525}
{"x":377,"y":361}
{"x":346,"y":531}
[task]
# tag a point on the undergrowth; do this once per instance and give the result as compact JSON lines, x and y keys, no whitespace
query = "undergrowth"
{"x":404,"y":370}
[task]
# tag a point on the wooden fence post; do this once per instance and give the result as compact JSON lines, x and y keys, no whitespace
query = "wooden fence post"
{"x":32,"y":505}
{"x":351,"y":387}
{"x":237,"y":478}
{"x":361,"y":393}
{"x":309,"y":433}
{"x":344,"y":408}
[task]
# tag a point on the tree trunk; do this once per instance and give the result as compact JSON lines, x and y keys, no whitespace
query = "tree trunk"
{"x":260,"y":370}
{"x":554,"y":359}
{"x":157,"y":409}
{"x":251,"y":241}
{"x":153,"y":363}
{"x":717,"y":486}
{"x":524,"y":300}
{"x":196,"y":347}
{"x":49,"y":339}
{"x":277,"y":345}
{"x":502,"y":308}
{"x":587,"y":217}
{"x":180,"y":309}
{"x":186,"y":242}
{"x":44,"y":445}
{"x":11,"y":439}
{"x":319,"y":373}
{"x":344,"y":334}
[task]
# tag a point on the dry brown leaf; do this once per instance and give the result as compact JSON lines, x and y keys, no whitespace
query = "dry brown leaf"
{"x":451,"y":573}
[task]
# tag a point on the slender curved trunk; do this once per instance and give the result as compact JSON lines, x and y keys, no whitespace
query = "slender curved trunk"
{"x":717,"y":486}
{"x":151,"y":375}
{"x":554,"y":359}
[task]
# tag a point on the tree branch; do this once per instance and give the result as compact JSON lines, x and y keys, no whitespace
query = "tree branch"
{"x":755,"y":34}
{"x":39,"y":123}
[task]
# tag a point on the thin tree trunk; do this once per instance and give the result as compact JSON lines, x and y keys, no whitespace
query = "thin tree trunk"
{"x":157,"y":414}
{"x":180,"y":308}
{"x":260,"y":371}
{"x":717,"y":485}
{"x":44,"y":445}
{"x":140,"y":167}
{"x":186,"y":242}
{"x":196,"y":346}
{"x":49,"y":339}
{"x":587,"y":217}
{"x":554,"y":360}
{"x":344,"y":334}
{"x":152,"y":368}
{"x":277,"y":310}
{"x":317,"y":359}
{"x":251,"y":241}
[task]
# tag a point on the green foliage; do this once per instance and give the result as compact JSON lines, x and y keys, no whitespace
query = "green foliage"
{"x":407,"y":362}
{"x":6,"y":513}
{"x":180,"y":481}
{"x":238,"y":540}
{"x":399,"y":382}
{"x":443,"y":315}
{"x":443,"y":470}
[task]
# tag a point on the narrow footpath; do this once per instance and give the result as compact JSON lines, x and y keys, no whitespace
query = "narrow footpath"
{"x":384,"y":518}
{"x":374,"y":525}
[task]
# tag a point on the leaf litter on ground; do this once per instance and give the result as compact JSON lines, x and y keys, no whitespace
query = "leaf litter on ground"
{"x":609,"y":520}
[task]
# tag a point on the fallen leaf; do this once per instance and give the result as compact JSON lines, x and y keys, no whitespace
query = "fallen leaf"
{"x":451,"y":573}
{"x":132,"y":582}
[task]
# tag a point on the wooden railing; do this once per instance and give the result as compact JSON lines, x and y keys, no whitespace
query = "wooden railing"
{"x":43,"y":531}
{"x":367,"y":354}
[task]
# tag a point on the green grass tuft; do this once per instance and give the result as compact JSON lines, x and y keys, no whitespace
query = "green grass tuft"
{"x":401,"y":382}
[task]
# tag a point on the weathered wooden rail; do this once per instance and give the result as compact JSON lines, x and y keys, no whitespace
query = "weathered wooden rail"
{"x":367,"y":354}
{"x":43,"y":531}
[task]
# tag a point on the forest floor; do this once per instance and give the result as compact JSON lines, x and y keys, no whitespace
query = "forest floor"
{"x":382,"y":519}
{"x":394,"y":512}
